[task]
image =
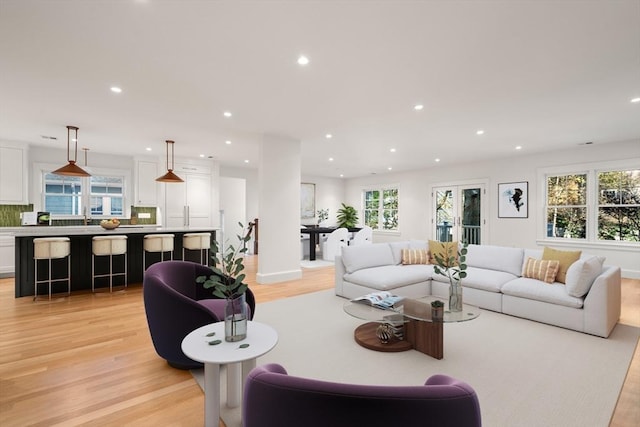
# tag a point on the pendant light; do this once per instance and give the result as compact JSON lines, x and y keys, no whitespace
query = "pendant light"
{"x":170,"y":176}
{"x":71,"y":169}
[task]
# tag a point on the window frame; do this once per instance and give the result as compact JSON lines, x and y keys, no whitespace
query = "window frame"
{"x":591,"y":170}
{"x":381,"y":189}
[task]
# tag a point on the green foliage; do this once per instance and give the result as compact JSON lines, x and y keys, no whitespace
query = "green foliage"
{"x":453,"y":264}
{"x":347,"y":216}
{"x":437,"y":303}
{"x":227,"y":265}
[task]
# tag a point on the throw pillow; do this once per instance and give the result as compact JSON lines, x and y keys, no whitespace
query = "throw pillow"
{"x":581,"y":274}
{"x":442,"y":248}
{"x":545,"y":270}
{"x":415,"y":256}
{"x":566,"y":258}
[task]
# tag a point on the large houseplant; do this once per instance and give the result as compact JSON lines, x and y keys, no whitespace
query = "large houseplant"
{"x":227,"y":282}
{"x":347,"y":216}
{"x":451,"y":263}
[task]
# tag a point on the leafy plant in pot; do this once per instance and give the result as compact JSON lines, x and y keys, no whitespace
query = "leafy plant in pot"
{"x":347,"y":216}
{"x":451,"y":263}
{"x":437,"y":310}
{"x":227,"y":282}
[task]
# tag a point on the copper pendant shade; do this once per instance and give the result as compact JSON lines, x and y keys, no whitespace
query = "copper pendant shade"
{"x":71,"y":169}
{"x":169,"y":176}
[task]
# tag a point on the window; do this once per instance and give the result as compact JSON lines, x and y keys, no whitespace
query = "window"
{"x":100,"y":195}
{"x":381,"y":209}
{"x":594,"y":205}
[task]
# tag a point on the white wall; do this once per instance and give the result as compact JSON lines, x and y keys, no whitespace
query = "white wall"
{"x":329,"y":195}
{"x":415,"y":198}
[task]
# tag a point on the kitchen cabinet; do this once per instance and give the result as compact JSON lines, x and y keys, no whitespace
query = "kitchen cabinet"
{"x":13,"y":175}
{"x":7,"y":255}
{"x":188,"y":203}
{"x":146,"y":186}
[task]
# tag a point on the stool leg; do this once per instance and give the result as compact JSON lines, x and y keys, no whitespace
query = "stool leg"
{"x":110,"y":273}
{"x":49,"y":279}
{"x":35,"y":291}
{"x":93,"y":273}
{"x":69,"y":275}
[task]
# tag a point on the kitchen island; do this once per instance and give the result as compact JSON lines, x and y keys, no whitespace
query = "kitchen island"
{"x":81,"y":242}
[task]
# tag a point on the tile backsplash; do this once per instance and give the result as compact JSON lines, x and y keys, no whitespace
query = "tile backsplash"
{"x":10,"y":216}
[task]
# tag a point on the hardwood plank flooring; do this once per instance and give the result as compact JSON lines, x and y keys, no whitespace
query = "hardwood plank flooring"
{"x":88,"y":360}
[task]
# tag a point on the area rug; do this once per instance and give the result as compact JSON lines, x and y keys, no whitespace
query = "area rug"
{"x":318,"y":263}
{"x":525,"y":373}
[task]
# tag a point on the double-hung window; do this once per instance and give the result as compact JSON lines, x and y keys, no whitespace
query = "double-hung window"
{"x":380,"y":208}
{"x":595,"y":203}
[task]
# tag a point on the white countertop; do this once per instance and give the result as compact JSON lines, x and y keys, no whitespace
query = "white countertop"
{"x":90,"y":230}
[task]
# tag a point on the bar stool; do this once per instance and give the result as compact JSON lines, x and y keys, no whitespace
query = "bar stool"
{"x":108,"y":246}
{"x":157,"y":243}
{"x":197,"y":242}
{"x":50,"y":248}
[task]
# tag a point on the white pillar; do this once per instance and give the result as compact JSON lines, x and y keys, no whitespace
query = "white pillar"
{"x":279,"y":205}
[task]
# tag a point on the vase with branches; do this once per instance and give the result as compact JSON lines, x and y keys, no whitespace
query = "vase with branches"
{"x":451,"y":263}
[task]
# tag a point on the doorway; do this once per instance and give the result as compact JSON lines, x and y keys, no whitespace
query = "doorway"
{"x":459,"y":213}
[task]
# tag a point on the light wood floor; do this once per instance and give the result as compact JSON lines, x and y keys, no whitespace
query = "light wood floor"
{"x":88,"y":359}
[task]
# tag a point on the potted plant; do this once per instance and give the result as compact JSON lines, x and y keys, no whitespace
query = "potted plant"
{"x":323,"y":215}
{"x":437,"y":310}
{"x":451,"y":263}
{"x":347,"y":216}
{"x":227,"y":282}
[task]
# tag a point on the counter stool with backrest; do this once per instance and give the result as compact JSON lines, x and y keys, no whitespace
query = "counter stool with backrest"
{"x":157,"y":243}
{"x":108,"y":246}
{"x":197,"y":242}
{"x":50,"y":248}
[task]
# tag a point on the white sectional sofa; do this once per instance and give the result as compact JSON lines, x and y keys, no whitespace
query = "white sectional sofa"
{"x":494,"y":281}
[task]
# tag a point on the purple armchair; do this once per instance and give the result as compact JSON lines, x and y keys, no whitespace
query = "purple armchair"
{"x":274,"y":399}
{"x":176,"y":305}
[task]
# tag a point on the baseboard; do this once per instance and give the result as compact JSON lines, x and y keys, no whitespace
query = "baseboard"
{"x":281,"y":276}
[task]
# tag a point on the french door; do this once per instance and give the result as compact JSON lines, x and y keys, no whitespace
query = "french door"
{"x":459,"y":213}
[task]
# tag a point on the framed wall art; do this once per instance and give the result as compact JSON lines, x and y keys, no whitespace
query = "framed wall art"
{"x":513,"y":200}
{"x":307,"y":200}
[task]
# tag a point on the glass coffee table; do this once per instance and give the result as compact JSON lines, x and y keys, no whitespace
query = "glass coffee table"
{"x":420,"y":331}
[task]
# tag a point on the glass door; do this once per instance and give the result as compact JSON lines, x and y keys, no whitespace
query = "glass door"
{"x":458,"y":213}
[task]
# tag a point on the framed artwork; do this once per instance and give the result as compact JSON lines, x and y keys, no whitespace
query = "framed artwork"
{"x":513,"y":200}
{"x":307,"y":200}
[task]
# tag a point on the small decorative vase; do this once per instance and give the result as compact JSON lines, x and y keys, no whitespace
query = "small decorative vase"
{"x":235,"y":319}
{"x":455,"y":296}
{"x":384,"y":333}
{"x":437,"y":314}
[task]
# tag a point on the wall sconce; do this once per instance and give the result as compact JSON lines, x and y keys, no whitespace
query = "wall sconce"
{"x":71,"y":169}
{"x":169,"y":176}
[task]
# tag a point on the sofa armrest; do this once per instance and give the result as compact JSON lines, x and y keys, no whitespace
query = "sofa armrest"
{"x":602,"y":303}
{"x":340,"y":271}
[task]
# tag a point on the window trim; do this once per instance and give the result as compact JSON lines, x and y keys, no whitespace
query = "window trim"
{"x":591,"y":170}
{"x":39,"y":169}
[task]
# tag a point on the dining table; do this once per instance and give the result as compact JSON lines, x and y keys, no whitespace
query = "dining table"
{"x":314,"y":234}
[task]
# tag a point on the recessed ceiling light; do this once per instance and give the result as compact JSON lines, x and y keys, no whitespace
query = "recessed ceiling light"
{"x":418,"y":107}
{"x":148,"y":148}
{"x":303,"y":60}
{"x":246,"y":161}
{"x":328,"y":136}
{"x":518,"y":147}
{"x":341,"y":175}
{"x":331,"y":159}
{"x":389,"y":168}
{"x":116,"y":89}
{"x":202,"y":155}
{"x":634,"y":100}
{"x":437,"y":160}
{"x":479,"y":132}
{"x":393,"y":150}
{"x":227,"y":114}
{"x":227,"y":142}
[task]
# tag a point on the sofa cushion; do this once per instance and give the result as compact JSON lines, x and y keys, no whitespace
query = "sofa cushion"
{"x":566,"y":258}
{"x":443,"y":249}
{"x":396,"y":250}
{"x":545,"y":270}
{"x":415,"y":256}
{"x":499,"y":258}
{"x":581,"y":274}
{"x":389,"y":277}
{"x":483,"y":279}
{"x":365,"y":256}
{"x":533,"y":289}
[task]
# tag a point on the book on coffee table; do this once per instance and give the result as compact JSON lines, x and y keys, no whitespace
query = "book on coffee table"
{"x":382,"y":299}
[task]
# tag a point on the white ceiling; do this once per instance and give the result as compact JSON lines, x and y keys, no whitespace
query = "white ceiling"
{"x":545,"y":75}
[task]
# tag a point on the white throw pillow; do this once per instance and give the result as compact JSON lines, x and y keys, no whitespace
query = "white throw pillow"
{"x":581,"y":274}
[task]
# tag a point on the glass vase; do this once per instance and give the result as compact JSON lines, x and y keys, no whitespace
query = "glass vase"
{"x":235,"y":318}
{"x":455,"y":296}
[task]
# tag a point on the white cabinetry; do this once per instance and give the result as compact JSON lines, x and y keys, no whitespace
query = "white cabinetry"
{"x":146,"y":186}
{"x":188,"y":203}
{"x":13,"y":175}
{"x":7,"y":255}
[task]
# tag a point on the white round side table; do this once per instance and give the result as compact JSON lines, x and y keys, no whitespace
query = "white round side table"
{"x":240,"y":359}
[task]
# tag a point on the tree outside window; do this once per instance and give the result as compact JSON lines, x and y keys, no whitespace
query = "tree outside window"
{"x":619,"y":205}
{"x":381,"y":209}
{"x":567,"y":206}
